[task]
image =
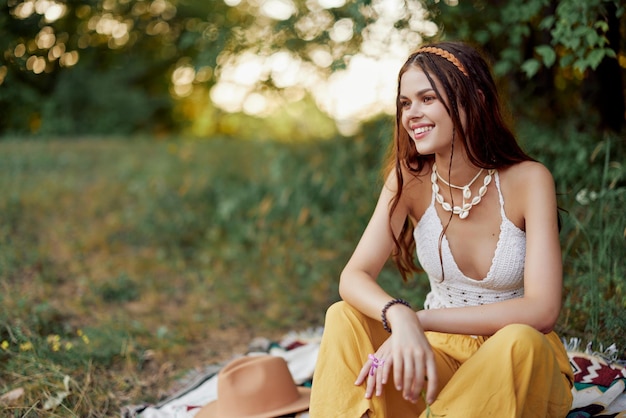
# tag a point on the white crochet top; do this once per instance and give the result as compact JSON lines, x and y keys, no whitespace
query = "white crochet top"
{"x":505,"y":279}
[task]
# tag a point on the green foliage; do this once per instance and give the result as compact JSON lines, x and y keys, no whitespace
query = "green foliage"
{"x":159,"y":247}
{"x":100,"y":66}
{"x":89,"y":101}
{"x":570,"y":32}
{"x":103,"y":67}
{"x":579,"y":32}
{"x":96,"y":67}
{"x":591,"y":182}
{"x":553,"y":58}
{"x":595,"y":245}
{"x":121,"y":289}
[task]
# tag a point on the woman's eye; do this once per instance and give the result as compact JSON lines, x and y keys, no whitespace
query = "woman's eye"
{"x":405,"y":104}
{"x":429,"y":99}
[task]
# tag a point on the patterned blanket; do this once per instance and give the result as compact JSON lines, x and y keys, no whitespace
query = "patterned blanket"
{"x":599,"y":380}
{"x":599,"y":386}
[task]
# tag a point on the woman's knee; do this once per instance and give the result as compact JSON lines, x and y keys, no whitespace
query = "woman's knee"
{"x":340,"y":312}
{"x":336,"y":309}
{"x":523,"y":337}
{"x":341,"y":317}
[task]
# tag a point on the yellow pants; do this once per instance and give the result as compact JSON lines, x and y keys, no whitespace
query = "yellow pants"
{"x":517,"y":372}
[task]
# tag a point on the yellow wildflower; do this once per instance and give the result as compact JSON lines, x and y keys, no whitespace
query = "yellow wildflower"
{"x":83,"y":336}
{"x":27,"y":346}
{"x":54,"y":341}
{"x":4,"y":345}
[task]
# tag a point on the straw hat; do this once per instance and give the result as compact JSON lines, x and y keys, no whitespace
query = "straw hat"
{"x":256,"y":387}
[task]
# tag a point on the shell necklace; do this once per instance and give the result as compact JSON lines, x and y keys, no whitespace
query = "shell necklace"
{"x":468,"y":201}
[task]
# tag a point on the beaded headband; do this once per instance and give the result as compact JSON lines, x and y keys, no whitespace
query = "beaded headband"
{"x":444,"y":54}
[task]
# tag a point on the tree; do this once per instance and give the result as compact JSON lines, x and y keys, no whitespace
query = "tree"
{"x":101,"y":66}
{"x":564,"y":50}
{"x":122,"y":66}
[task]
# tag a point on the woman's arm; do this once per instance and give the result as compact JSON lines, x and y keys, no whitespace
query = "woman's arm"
{"x":541,"y":303}
{"x":357,"y":284}
{"x":407,"y":351}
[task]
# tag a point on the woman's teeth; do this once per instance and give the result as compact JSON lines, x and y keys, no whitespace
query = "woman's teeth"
{"x":422,"y":129}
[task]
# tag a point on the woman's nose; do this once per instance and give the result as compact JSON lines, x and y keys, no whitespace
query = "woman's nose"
{"x":414,"y":111}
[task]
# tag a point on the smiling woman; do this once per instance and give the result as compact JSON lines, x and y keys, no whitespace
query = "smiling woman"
{"x":494,"y":297}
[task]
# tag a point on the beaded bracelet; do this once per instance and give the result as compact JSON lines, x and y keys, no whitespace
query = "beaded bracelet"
{"x":387,"y":306}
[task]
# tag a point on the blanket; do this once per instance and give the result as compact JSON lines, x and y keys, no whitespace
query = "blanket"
{"x":599,"y":385}
{"x":599,"y":380}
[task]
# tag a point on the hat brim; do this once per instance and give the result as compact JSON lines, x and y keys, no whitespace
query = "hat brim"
{"x":210,"y":410}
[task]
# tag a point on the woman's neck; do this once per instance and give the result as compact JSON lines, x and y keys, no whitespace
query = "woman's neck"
{"x":460,"y":172}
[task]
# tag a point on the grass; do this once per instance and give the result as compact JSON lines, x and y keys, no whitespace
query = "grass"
{"x":125,"y":263}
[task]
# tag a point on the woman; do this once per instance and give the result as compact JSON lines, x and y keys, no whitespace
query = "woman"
{"x":482,"y":216}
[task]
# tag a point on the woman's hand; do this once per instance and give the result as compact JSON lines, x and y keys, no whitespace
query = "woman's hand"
{"x":406,"y":352}
{"x":376,"y":376}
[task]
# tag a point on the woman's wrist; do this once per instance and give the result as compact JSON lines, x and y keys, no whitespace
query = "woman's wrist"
{"x":421,"y":317}
{"x":391,"y":304}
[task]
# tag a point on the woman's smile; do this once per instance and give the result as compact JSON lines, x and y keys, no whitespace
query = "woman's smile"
{"x":420,"y":131}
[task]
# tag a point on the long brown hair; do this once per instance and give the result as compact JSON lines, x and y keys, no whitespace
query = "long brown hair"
{"x":467,"y":84}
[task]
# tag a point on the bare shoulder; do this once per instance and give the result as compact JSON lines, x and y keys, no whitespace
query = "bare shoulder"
{"x":411,"y":179}
{"x":528,"y":188}
{"x":528,"y":175}
{"x":415,"y":189}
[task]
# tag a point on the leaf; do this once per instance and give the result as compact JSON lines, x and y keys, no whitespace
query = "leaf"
{"x":495,"y":28}
{"x":530,"y":67}
{"x":581,"y":65}
{"x":547,"y":53}
{"x":501,"y":68}
{"x":595,"y":57}
{"x":566,"y":60}
{"x":482,"y":36}
{"x":547,"y":22}
{"x":592,"y":38}
{"x":602,"y":25}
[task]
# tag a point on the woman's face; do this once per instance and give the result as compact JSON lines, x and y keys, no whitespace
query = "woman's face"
{"x":424,"y":116}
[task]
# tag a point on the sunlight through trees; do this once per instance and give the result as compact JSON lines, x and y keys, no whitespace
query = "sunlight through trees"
{"x":140,"y":62}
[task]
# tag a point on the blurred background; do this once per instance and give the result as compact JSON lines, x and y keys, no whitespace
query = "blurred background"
{"x":178,"y":177}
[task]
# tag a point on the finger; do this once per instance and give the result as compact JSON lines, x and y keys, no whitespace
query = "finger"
{"x":409,"y":376}
{"x":380,"y":378}
{"x":386,"y":369}
{"x":433,"y":382}
{"x":418,"y":382}
{"x":397,"y":371}
{"x":418,"y":385}
{"x":371,"y":385}
{"x":363,"y":374}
